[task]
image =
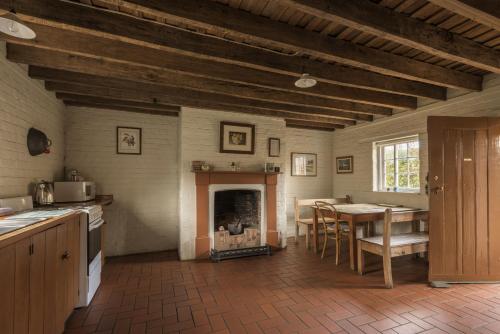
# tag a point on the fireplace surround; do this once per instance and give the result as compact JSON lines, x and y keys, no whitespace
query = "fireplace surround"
{"x":207,"y":183}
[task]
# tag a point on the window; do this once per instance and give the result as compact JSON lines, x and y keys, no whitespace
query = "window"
{"x":398,"y":165}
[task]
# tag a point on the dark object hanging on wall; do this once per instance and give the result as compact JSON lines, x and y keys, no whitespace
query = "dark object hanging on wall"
{"x":38,"y":142}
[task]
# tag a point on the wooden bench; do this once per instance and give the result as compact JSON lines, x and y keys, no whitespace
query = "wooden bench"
{"x":308,"y":222}
{"x":389,"y":246}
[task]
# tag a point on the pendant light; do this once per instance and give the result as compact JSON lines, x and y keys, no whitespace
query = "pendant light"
{"x":306,"y":81}
{"x":11,"y":25}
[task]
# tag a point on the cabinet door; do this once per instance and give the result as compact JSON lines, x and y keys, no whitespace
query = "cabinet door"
{"x":22,"y":287}
{"x":37,"y":284}
{"x":62,"y":279}
{"x":72,"y":265}
{"x":7,"y":279}
{"x":50,"y":282}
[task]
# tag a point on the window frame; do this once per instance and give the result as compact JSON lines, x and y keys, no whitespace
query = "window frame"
{"x":380,"y":164}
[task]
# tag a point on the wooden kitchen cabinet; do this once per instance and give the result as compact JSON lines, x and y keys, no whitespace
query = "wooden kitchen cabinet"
{"x":39,"y":280}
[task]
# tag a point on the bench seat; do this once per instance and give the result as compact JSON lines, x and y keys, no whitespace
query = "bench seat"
{"x":400,"y":239}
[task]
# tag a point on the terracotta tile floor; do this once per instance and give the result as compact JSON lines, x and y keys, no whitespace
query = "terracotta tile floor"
{"x":292,"y":291}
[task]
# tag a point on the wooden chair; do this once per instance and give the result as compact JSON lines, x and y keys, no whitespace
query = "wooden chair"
{"x":389,"y":246}
{"x":309,"y":221}
{"x":332,"y":228}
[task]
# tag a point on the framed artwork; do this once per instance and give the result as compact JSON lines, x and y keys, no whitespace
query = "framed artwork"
{"x":304,"y":164}
{"x":274,"y":147}
{"x":237,"y":138}
{"x":345,"y":164}
{"x":128,"y":140}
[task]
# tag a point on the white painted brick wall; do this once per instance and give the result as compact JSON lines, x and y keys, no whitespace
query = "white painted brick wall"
{"x":144,"y":216}
{"x":25,"y":103}
{"x":199,"y":140}
{"x":357,"y":141}
{"x":307,"y":141}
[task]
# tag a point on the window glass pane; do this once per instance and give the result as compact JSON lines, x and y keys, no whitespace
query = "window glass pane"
{"x":389,"y":174}
{"x":402,"y":166}
{"x":389,"y":152}
{"x":413,"y":149}
{"x":414,"y":165}
{"x":403,"y":181}
{"x":401,"y":150}
{"x":414,"y":181}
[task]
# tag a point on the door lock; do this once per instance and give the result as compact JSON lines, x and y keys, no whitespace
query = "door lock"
{"x":436,"y":190}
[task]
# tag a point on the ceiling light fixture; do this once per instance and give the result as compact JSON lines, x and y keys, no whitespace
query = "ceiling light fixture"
{"x":11,"y":25}
{"x":306,"y":81}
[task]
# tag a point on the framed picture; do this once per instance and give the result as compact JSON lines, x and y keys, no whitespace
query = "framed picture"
{"x":128,"y":140}
{"x":345,"y":165}
{"x":237,"y":138}
{"x":274,"y":147}
{"x":304,"y":164}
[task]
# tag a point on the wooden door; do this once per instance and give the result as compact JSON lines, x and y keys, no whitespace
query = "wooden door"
{"x":37,"y":284}
{"x":50,"y":281}
{"x":7,"y":283}
{"x":464,"y":183}
{"x":72,"y":264}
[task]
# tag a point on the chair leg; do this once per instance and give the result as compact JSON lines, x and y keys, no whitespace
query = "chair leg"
{"x":308,"y":236}
{"x":361,"y":259}
{"x":388,"y":272}
{"x":337,"y":248}
{"x":296,"y":232}
{"x":325,"y":237}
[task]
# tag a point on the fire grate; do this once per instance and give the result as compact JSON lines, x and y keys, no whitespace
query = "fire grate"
{"x":218,"y":256}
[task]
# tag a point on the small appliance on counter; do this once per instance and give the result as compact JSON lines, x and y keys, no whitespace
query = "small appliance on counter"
{"x":44,"y":193}
{"x":79,"y":191}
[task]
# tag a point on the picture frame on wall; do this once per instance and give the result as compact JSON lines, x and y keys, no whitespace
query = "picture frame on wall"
{"x":274,"y":147}
{"x":237,"y":138}
{"x":345,"y":165}
{"x":128,"y":140}
{"x":304,"y":164}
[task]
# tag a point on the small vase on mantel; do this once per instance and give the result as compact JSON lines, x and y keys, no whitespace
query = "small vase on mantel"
{"x":234,"y":166}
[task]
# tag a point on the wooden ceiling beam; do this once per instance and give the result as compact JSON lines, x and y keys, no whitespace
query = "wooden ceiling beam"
{"x":369,"y":17}
{"x":305,"y":127}
{"x":66,"y":15}
{"x":247,"y":26}
{"x":154,"y":92}
{"x":122,"y":103}
{"x":308,"y":124}
{"x":82,"y":95}
{"x":122,"y":108}
{"x":76,"y":42}
{"x":137,"y":92}
{"x":486,"y":12}
{"x":106,"y":68}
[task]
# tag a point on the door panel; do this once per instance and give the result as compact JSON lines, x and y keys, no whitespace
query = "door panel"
{"x":22,"y":286}
{"x":50,"y":283}
{"x":7,"y":279}
{"x":464,"y":178}
{"x":61,"y":278}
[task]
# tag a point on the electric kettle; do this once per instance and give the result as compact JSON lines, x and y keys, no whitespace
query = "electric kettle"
{"x":44,"y":193}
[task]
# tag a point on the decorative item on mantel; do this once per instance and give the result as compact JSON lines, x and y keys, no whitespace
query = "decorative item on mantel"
{"x":200,"y":166}
{"x":271,"y":167}
{"x":234,"y":166}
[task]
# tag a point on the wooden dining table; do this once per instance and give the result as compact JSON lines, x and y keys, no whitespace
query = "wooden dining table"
{"x":355,"y":215}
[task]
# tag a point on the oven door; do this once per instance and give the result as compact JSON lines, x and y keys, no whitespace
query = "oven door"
{"x":94,"y":240}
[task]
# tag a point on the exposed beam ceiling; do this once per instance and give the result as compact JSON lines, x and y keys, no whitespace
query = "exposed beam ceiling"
{"x":122,"y":107}
{"x":113,"y":69}
{"x":369,"y":17}
{"x":74,"y":16}
{"x":316,"y":125}
{"x":486,"y":12}
{"x":83,"y":44}
{"x":162,"y":95}
{"x":77,"y":99}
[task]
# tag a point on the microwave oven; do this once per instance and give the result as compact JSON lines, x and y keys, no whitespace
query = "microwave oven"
{"x":78,"y":191}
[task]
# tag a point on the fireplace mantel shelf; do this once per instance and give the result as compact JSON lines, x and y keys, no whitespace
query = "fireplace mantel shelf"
{"x":236,"y":172}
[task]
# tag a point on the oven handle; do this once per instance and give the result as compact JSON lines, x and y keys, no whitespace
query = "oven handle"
{"x":96,"y":224}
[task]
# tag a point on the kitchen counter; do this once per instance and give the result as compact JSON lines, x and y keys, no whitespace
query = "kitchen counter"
{"x":27,"y":231}
{"x":102,"y":200}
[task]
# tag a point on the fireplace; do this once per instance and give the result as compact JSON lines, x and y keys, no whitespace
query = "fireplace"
{"x":257,"y":187}
{"x":236,"y":216}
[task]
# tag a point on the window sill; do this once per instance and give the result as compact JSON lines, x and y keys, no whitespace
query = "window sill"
{"x":399,"y":192}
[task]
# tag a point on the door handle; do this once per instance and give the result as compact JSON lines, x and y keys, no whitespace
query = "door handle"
{"x":66,"y":255}
{"x":436,"y":190}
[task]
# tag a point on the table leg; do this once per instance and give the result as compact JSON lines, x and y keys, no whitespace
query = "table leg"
{"x":352,"y":245}
{"x":315,"y":231}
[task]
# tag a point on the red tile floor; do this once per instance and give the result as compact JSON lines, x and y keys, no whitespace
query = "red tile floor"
{"x":293,"y":291}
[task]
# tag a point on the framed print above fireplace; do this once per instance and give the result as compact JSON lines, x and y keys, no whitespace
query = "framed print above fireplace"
{"x":237,"y":138}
